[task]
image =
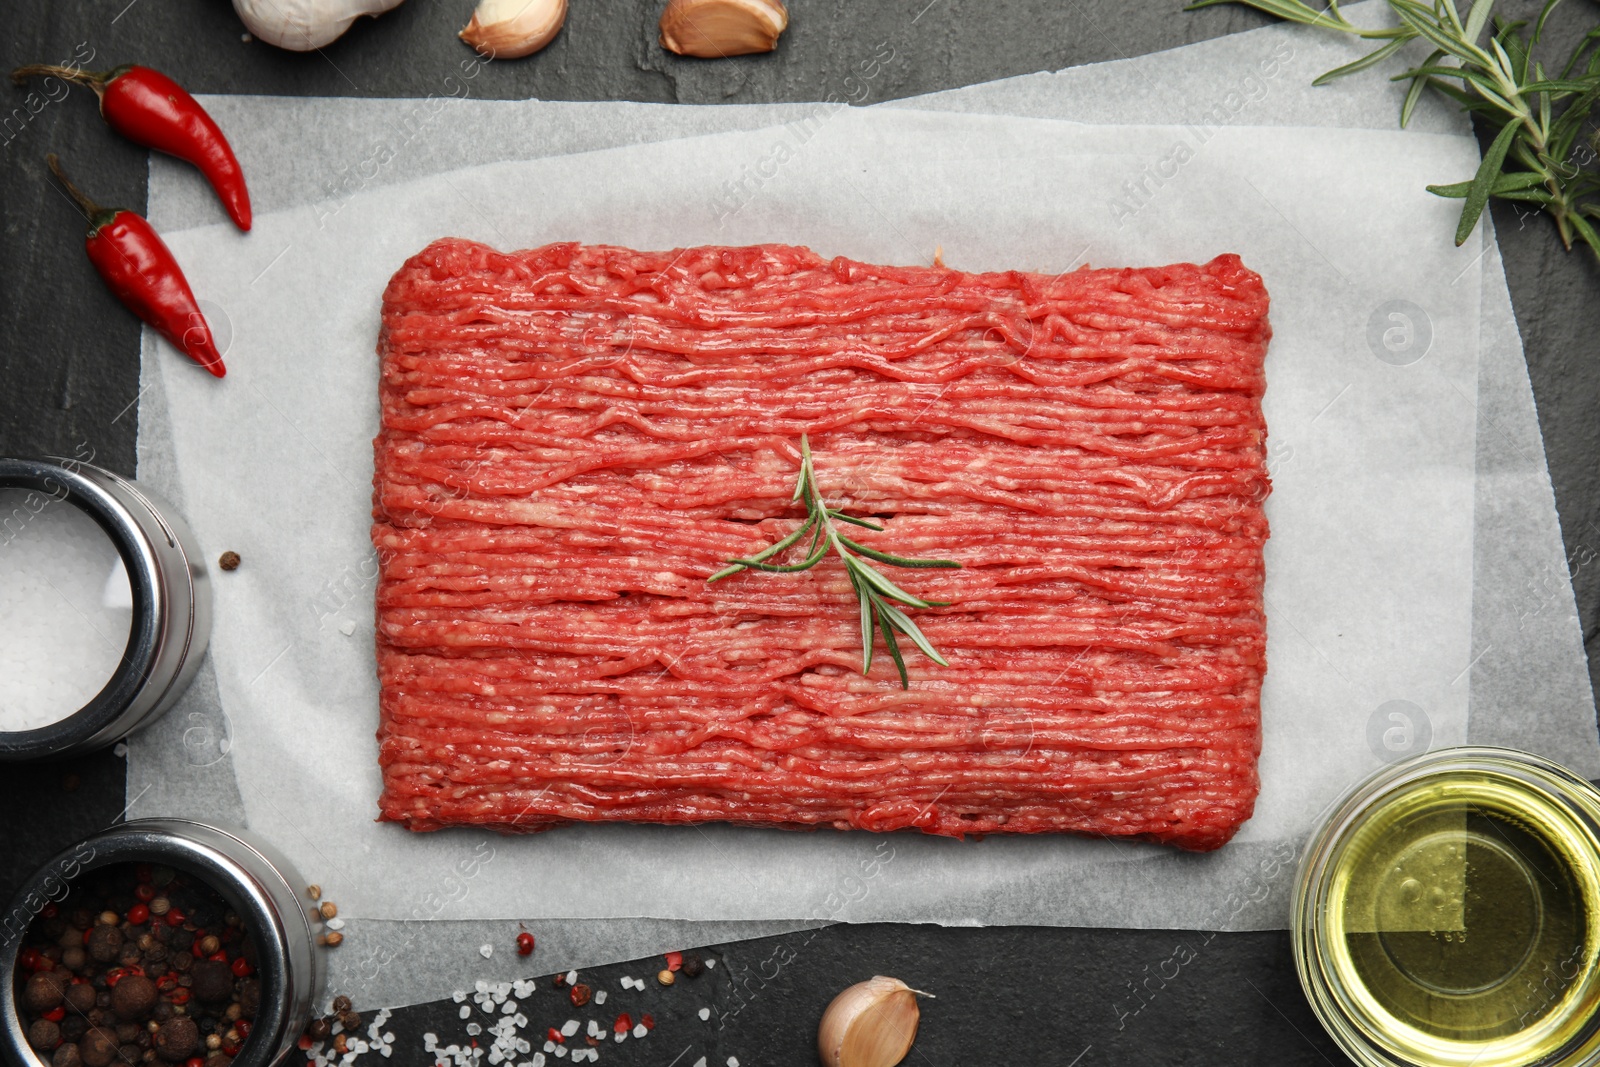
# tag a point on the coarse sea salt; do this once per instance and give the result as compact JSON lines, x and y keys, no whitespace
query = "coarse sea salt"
{"x":599,"y":997}
{"x":640,"y":1029}
{"x":705,"y":1013}
{"x":570,"y":1027}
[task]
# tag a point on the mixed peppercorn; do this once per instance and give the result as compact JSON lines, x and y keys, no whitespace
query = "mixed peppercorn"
{"x":138,"y":964}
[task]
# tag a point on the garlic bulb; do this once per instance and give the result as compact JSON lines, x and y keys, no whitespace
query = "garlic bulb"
{"x":715,"y":28}
{"x":302,"y":25}
{"x":508,"y":29}
{"x":871,"y":1024}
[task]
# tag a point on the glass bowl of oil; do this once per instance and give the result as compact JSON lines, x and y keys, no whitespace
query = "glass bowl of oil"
{"x":1448,"y":914}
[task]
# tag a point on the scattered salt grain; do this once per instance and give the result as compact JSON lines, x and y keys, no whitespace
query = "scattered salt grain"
{"x":549,"y":1046}
{"x":347,"y":627}
{"x":572,"y":978}
{"x":733,"y":1061}
{"x":334,"y":924}
{"x":701,"y":1062}
{"x":640,"y":1029}
{"x":622,"y":1037}
{"x":459,"y":995}
{"x":486,"y":950}
{"x":705,"y":1013}
{"x":599,"y":997}
{"x":569,"y":1027}
{"x":473,"y":1029}
{"x":524,"y":987}
{"x":466,"y":1012}
{"x":711,"y":963}
{"x":561,"y":1050}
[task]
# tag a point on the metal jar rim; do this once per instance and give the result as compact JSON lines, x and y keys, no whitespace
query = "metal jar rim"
{"x":255,"y":880}
{"x":171,"y":622}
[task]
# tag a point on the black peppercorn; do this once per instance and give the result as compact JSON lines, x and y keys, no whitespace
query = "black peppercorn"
{"x":128,"y":1033}
{"x":133,"y":997}
{"x":105,"y":943}
{"x":80,"y":998}
{"x":44,"y":1035}
{"x":177,"y":1038}
{"x":319,"y":1029}
{"x":67,"y":1056}
{"x":228,"y":561}
{"x":45,"y":990}
{"x":249,"y":996}
{"x":693,"y":966}
{"x":350,"y":1020}
{"x":213,"y":980}
{"x":98,"y":1048}
{"x":73,"y":1027}
{"x":341,"y":1004}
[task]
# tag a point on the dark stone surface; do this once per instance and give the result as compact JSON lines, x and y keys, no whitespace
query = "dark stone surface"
{"x":68,"y":386}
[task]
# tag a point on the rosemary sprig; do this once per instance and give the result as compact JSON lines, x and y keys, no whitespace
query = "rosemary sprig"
{"x":1540,"y":117}
{"x":873,"y":590}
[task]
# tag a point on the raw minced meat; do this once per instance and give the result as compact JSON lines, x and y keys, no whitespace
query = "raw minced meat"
{"x":574,"y":437}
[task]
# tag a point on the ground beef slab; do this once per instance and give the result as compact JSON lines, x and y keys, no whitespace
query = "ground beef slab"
{"x":574,"y":437}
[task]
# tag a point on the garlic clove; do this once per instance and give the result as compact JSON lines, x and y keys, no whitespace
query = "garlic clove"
{"x":871,"y":1024}
{"x":509,"y":29}
{"x":712,"y":29}
{"x":304,"y":25}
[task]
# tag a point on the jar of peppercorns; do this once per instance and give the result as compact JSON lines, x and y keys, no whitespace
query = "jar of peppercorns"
{"x":159,"y":943}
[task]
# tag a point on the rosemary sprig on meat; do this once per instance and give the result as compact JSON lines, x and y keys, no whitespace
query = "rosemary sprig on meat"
{"x":1540,"y":117}
{"x":873,"y":590}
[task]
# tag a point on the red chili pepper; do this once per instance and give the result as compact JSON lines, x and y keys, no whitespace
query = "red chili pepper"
{"x":139,"y":914}
{"x":115,"y":975}
{"x":552,"y":1034}
{"x":219,"y":956}
{"x":524,"y":944}
{"x":56,"y":1014}
{"x":150,"y":108}
{"x":141,"y":271}
{"x":305,"y":1044}
{"x":649,"y":1021}
{"x":623,"y":1024}
{"x":240,"y":967}
{"x":180,"y":995}
{"x":674,"y":961}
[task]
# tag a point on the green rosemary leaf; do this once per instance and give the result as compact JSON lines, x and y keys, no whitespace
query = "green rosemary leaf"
{"x":834,"y":513}
{"x":1484,"y":180}
{"x":765,"y":554}
{"x":902,"y":622}
{"x":893,"y":645}
{"x":1477,"y":19}
{"x":882,"y":585}
{"x":1285,"y":9}
{"x":1420,"y":19}
{"x":1414,"y":93}
{"x":1586,"y":231}
{"x":867,"y":626}
{"x":899,"y":561}
{"x":1538,"y":27}
{"x":1557,"y":85}
{"x":1378,"y":55}
{"x":1515,"y":47}
{"x":1504,"y":184}
{"x":1531,"y":196}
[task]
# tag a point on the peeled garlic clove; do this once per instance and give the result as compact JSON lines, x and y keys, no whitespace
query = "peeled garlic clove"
{"x":509,"y":29}
{"x":716,"y":28}
{"x":871,"y":1024}
{"x":302,"y":25}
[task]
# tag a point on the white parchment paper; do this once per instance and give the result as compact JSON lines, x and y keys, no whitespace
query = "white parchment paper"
{"x":1369,"y":587}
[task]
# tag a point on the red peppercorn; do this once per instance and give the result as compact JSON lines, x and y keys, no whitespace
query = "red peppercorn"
{"x":244,"y":1028}
{"x":649,"y":1021}
{"x":241,"y":967}
{"x":674,"y":961}
{"x":115,"y":975}
{"x":305,"y":1044}
{"x":219,"y":956}
{"x":57,"y":1013}
{"x":166,"y":982}
{"x":194,"y":1061}
{"x":555,"y":1035}
{"x":30,"y":956}
{"x":230,"y":1050}
{"x":176,"y":917}
{"x":524,"y":944}
{"x":559,"y":980}
{"x":579,"y":995}
{"x":139,"y":914}
{"x":179,"y":995}
{"x":623,"y":1024}
{"x":145,"y":892}
{"x":50,"y":911}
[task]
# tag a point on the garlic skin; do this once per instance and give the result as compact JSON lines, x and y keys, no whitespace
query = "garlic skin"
{"x":510,"y":29}
{"x":712,"y":29}
{"x":304,"y":25}
{"x":871,"y":1024}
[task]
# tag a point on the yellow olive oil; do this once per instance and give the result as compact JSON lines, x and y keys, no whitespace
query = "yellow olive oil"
{"x":1460,"y":921}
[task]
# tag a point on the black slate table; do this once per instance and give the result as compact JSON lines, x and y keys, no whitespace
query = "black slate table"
{"x":69,"y":382}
